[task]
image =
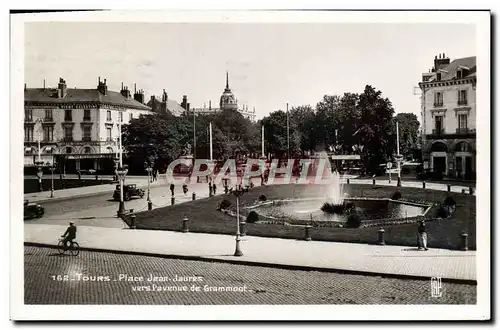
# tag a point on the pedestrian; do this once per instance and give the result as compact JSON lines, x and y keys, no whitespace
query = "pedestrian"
{"x":210,"y":188}
{"x":155,"y":173}
{"x":172,"y":188}
{"x":185,"y":188}
{"x":422,"y":234}
{"x":214,"y":188}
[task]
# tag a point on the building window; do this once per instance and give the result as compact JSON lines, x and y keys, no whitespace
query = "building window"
{"x":459,"y":74}
{"x":86,"y":115}
{"x":68,"y":150}
{"x":131,"y":116}
{"x":438,"y":125}
{"x":438,"y":76}
{"x":68,"y":115}
{"x":108,"y":134}
{"x":108,"y":115}
{"x":462,"y":97}
{"x":87,"y":133}
{"x":462,"y":123}
{"x":48,"y":115}
{"x":68,"y":134}
{"x":121,"y":116}
{"x":438,"y":99}
{"x":48,"y":133}
{"x":87,"y":150}
{"x":28,"y":134}
{"x":28,"y":115}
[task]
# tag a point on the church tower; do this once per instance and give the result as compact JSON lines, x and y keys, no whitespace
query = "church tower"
{"x":227,"y":99}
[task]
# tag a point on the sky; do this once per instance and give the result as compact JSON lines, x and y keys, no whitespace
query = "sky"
{"x":269,"y":65}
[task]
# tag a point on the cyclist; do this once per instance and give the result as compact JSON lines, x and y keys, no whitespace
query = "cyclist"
{"x":69,"y":235}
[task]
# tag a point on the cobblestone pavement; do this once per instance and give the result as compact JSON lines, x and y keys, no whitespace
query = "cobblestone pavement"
{"x":100,"y":278}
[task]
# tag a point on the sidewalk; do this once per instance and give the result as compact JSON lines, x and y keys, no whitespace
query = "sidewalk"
{"x":397,"y":261}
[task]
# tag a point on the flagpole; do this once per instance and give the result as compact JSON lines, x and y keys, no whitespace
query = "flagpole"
{"x":287,"y":132}
{"x":211,"y":149}
{"x":263,"y":154}
{"x":398,"y":159}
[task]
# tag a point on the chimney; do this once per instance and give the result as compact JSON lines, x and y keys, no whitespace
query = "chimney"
{"x":210,"y":105}
{"x":61,"y":88}
{"x":164,"y":97}
{"x":44,"y":84}
{"x":25,"y":86}
{"x":184,"y":103}
{"x":441,"y":62}
{"x":102,"y":87}
{"x":125,"y":92}
{"x":139,"y":96}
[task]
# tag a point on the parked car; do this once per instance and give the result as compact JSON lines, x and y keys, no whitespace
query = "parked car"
{"x":33,"y":210}
{"x":129,"y":191}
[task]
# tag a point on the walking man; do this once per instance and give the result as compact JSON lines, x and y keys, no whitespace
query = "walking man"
{"x":422,"y":234}
{"x":172,"y":188}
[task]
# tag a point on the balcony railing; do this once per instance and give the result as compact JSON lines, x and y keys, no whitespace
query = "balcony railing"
{"x":87,"y":139}
{"x":438,"y":131}
{"x":29,"y":119}
{"x":438,"y":104}
{"x":462,"y":102}
{"x":48,"y":119}
{"x":463,"y":130}
{"x":68,"y":118}
{"x":68,"y":139}
{"x":87,"y":119}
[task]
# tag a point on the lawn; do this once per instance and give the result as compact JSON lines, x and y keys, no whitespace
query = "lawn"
{"x":204,"y":217}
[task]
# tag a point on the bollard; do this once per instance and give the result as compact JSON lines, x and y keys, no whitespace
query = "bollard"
{"x":194,"y":196}
{"x":463,"y":191}
{"x":471,"y":191}
{"x":373,"y":181}
{"x":449,"y":188}
{"x":348,"y":181}
{"x":423,"y":184}
{"x":243,"y":228}
{"x":132,"y":221}
{"x":172,"y":200}
{"x":307,"y":232}
{"x":150,"y":205}
{"x":464,"y":242}
{"x":185,"y":228}
{"x":381,"y":239}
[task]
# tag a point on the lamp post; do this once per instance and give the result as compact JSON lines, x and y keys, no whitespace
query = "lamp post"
{"x":52,"y":169}
{"x":238,"y":192}
{"x":399,"y":158}
{"x":149,"y":169}
{"x":121,"y":173}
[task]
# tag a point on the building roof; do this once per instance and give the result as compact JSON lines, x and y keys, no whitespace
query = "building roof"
{"x":173,"y":106}
{"x":450,"y":72}
{"x":49,"y":95}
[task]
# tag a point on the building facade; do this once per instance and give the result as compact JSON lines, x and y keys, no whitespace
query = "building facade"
{"x":77,"y":129}
{"x":227,"y":102}
{"x":448,"y":109}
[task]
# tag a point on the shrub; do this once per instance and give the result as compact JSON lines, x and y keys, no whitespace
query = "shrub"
{"x":262,"y":198}
{"x":396,"y":196}
{"x":332,"y":208}
{"x":449,"y":201}
{"x":224,"y":204}
{"x":349,"y":207}
{"x":252,"y":217}
{"x":442,"y":212}
{"x":353,"y":221}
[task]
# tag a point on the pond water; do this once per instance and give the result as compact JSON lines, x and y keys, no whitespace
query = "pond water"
{"x":366,"y":209}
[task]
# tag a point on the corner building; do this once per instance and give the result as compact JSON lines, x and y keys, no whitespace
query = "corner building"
{"x":78,"y":128}
{"x":448,"y":117}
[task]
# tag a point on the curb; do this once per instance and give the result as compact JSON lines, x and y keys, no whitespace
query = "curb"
{"x":261,"y":264}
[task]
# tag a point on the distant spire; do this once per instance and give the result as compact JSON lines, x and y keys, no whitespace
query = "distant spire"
{"x":227,"y":80}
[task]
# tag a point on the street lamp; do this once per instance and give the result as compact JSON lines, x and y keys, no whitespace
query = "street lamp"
{"x":238,"y":192}
{"x":121,"y":173}
{"x":149,"y":170}
{"x":39,"y":174}
{"x":52,"y":169}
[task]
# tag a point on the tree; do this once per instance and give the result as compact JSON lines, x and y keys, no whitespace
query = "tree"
{"x":303,"y":121}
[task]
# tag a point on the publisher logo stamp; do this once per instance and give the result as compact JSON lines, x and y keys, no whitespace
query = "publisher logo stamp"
{"x":436,"y":287}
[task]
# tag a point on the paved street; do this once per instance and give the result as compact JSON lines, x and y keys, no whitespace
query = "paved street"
{"x":260,"y":285}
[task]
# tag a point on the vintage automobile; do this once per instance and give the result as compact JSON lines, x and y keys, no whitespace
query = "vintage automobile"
{"x":129,"y":191}
{"x":32,"y":210}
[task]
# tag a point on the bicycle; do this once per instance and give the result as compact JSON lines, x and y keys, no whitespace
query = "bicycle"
{"x":73,"y":249}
